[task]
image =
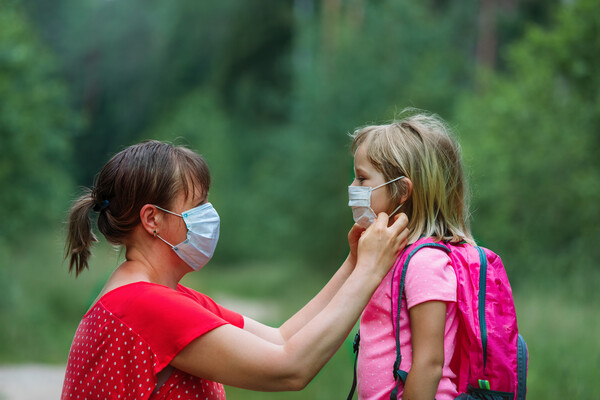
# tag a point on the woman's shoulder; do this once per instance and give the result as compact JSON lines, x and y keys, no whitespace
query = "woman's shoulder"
{"x":143,"y":294}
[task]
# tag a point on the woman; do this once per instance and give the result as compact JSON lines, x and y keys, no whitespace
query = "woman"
{"x":148,"y":337}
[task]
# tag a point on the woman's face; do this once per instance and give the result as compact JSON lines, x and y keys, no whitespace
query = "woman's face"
{"x":365,"y":174}
{"x":174,"y":228}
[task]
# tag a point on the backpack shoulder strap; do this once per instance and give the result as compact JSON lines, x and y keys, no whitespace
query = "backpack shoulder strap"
{"x":522,"y":359}
{"x":400,"y":375}
{"x":482,"y":292}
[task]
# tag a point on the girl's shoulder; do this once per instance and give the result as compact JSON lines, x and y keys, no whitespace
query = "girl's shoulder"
{"x":430,"y":259}
{"x":430,"y":276}
{"x":425,"y":249}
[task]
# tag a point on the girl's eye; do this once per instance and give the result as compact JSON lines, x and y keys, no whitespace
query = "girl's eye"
{"x":360,"y":179}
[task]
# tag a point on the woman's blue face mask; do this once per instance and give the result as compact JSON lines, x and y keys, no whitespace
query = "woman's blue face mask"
{"x":202,"y":224}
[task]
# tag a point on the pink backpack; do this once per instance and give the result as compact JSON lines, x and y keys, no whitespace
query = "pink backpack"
{"x":491,"y":357}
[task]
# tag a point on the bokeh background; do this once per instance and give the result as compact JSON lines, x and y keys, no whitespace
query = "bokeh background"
{"x":268,"y":91}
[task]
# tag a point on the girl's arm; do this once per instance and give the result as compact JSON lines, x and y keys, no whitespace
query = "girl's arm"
{"x":239,"y":358}
{"x":427,"y":323}
{"x":317,"y":304}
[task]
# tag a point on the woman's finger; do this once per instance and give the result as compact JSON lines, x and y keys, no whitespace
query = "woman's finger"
{"x":382,"y":220}
{"x":400,"y":223}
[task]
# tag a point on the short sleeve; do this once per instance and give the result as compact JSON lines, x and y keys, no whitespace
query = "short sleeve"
{"x":167,"y":319}
{"x":231,"y":317}
{"x":430,"y":277}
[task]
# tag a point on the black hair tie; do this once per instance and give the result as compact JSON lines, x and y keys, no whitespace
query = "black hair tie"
{"x":99,"y":207}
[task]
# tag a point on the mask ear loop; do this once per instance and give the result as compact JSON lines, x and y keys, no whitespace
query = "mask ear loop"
{"x":387,"y":183}
{"x":156,"y":235}
{"x":397,"y":208}
{"x":165,"y":210}
{"x":170,"y":212}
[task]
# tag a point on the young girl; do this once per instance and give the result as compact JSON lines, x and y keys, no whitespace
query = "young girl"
{"x":412,"y":165}
{"x":149,"y":337}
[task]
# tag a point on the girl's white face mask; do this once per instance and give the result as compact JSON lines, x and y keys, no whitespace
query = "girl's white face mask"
{"x":360,"y":201}
{"x":202,"y":223}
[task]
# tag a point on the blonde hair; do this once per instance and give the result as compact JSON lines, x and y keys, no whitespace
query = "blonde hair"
{"x":422,"y":148}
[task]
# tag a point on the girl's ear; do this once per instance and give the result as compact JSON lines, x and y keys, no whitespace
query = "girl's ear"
{"x":150,"y":218}
{"x":408,"y":184}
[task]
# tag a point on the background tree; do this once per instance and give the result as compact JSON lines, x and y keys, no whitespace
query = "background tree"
{"x":532,"y":141}
{"x":37,"y":126}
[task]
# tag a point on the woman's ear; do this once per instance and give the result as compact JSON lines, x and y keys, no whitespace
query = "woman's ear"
{"x":150,"y":218}
{"x":408,"y":192}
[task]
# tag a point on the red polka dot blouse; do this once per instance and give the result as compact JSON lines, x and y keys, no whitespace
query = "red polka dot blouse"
{"x":131,"y":334}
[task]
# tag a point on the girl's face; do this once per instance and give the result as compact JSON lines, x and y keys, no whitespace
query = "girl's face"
{"x":366,"y":175}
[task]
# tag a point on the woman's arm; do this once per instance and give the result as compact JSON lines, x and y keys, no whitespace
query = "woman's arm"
{"x":427,"y":323}
{"x":239,"y":358}
{"x":310,"y":310}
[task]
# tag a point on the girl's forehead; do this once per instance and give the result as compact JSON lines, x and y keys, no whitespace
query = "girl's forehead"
{"x":360,"y":157}
{"x":361,"y":151}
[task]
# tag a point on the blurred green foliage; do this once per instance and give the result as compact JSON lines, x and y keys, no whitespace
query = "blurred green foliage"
{"x":37,"y":124}
{"x":268,"y":91}
{"x":532,"y":141}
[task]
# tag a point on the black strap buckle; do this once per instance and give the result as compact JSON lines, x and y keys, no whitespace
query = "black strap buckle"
{"x":356,"y":342}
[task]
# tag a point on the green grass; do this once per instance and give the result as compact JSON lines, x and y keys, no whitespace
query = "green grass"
{"x":41,"y":305}
{"x":564,"y":345}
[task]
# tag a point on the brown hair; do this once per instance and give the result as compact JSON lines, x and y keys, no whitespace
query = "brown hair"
{"x":422,"y":148}
{"x":150,"y":172}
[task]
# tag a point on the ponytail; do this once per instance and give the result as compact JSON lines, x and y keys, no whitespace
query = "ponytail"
{"x":80,"y":236}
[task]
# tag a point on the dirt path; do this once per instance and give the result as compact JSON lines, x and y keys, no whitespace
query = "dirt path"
{"x":31,"y":382}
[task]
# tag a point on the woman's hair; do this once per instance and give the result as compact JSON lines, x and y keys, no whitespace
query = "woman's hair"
{"x":422,"y":148}
{"x":150,"y":172}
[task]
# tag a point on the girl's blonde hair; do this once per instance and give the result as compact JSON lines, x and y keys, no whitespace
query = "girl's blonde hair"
{"x":422,"y":148}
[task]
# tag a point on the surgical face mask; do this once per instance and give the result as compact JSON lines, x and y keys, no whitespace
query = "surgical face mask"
{"x":360,"y":201}
{"x":202,"y":223}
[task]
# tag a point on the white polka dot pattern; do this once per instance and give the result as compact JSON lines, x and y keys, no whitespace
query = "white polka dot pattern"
{"x":108,"y":360}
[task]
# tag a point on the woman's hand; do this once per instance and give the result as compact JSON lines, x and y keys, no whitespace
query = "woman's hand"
{"x":353,"y":237}
{"x":380,"y":244}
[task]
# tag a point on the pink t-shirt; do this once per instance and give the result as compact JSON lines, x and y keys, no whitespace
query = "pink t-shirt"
{"x":429,"y":277}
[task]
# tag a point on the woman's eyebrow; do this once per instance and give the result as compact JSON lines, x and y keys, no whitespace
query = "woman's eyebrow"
{"x":203,"y":199}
